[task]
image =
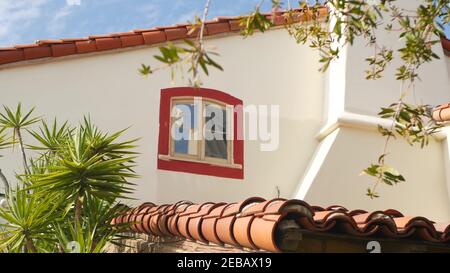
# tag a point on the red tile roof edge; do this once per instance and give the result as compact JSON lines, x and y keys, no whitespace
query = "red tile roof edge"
{"x":445,"y":45}
{"x":254,"y":223}
{"x":95,"y":43}
{"x":441,"y":112}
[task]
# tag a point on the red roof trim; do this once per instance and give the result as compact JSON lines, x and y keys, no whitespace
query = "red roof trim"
{"x":445,"y":45}
{"x":75,"y":46}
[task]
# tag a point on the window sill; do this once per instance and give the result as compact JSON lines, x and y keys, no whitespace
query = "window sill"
{"x":170,"y":158}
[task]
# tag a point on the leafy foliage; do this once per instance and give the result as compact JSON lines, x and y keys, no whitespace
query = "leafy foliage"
{"x":95,"y":232}
{"x":255,"y":21}
{"x":69,"y":192}
{"x":17,"y":119}
{"x":378,"y":63}
{"x":50,"y":138}
{"x":383,"y":173}
{"x":145,"y":70}
{"x":5,"y":141}
{"x":29,"y":218}
{"x":345,"y":22}
{"x":413,"y":122}
{"x":191,"y":53}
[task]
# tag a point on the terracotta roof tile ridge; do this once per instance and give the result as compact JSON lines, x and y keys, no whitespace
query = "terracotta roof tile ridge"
{"x":50,"y":48}
{"x":255,"y":222}
{"x":445,"y":45}
{"x":236,"y":208}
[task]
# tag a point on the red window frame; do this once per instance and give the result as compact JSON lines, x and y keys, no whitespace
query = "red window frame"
{"x":203,"y":168}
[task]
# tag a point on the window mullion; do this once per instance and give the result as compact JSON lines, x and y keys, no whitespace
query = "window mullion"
{"x":202,"y":131}
{"x":229,"y":110}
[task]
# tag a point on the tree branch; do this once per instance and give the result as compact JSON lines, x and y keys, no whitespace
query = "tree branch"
{"x":200,"y":43}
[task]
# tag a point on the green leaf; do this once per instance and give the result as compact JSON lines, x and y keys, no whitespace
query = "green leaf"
{"x":145,"y":70}
{"x":372,"y":194}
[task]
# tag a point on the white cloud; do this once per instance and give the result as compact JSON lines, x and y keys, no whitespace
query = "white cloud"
{"x":73,"y":2}
{"x":151,"y":12}
{"x":57,"y":22}
{"x":18,"y":14}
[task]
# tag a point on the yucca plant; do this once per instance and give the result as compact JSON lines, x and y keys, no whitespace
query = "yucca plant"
{"x":50,"y":138}
{"x":29,"y":219}
{"x":5,"y":142}
{"x":16,"y":121}
{"x":80,"y":239}
{"x":92,"y":234}
{"x":82,"y":170}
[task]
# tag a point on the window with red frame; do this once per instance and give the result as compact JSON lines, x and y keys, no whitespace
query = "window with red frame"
{"x":200,"y":131}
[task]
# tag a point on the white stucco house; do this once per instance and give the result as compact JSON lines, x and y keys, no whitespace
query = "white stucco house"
{"x":326,"y":133}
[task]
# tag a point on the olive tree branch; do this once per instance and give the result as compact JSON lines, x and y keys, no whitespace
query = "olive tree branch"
{"x":197,"y":58}
{"x":194,"y":53}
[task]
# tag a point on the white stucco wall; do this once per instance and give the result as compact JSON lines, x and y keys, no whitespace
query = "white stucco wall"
{"x":265,"y":69}
{"x":350,"y":142}
{"x":338,"y":179}
{"x":366,"y":97}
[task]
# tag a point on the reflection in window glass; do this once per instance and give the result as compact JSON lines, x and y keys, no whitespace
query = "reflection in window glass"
{"x":185,"y":124}
{"x":215,"y":131}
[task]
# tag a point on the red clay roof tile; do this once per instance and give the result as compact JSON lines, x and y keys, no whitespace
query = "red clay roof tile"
{"x":143,"y":210}
{"x":277,"y":20}
{"x":120,"y":34}
{"x":216,"y":28}
{"x":49,"y":42}
{"x":193,"y":32}
{"x":10,"y":56}
{"x":86,"y":46}
{"x":235,"y":25}
{"x":131,"y":40}
{"x":154,"y":37}
{"x":140,"y":30}
{"x":224,"y":230}
{"x":37,"y":52}
{"x":99,"y":36}
{"x":445,"y":45}
{"x":441,"y":112}
{"x":22,"y":46}
{"x":72,"y":40}
{"x":93,"y":43}
{"x":59,"y":50}
{"x":108,"y":43}
{"x":241,"y":231}
{"x":176,"y":33}
{"x":254,"y":222}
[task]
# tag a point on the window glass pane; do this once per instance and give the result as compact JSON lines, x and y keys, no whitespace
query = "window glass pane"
{"x":216,"y":116}
{"x":184,"y":126}
{"x":216,"y":148}
{"x":215,"y":131}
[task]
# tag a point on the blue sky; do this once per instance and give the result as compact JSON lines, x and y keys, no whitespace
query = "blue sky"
{"x":24,"y":21}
